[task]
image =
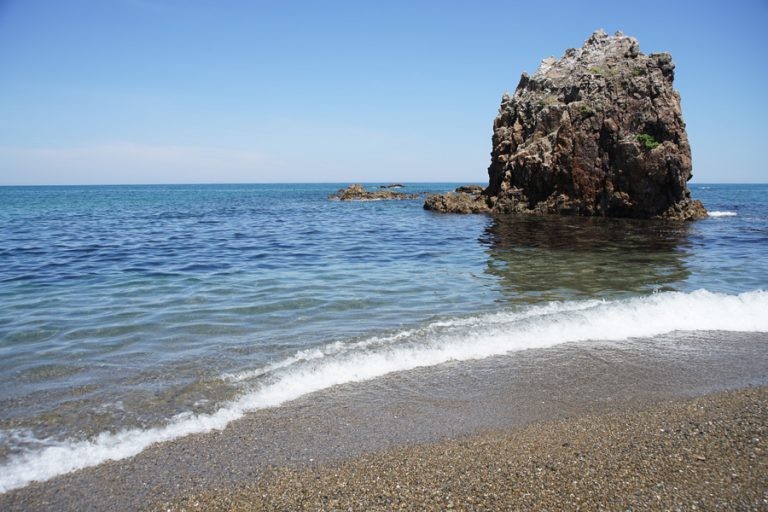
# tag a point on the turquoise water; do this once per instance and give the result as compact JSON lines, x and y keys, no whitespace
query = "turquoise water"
{"x":139,"y":313}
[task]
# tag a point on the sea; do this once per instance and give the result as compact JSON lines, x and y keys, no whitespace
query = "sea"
{"x":131,"y":315}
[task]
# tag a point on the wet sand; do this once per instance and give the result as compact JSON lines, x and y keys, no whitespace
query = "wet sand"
{"x":498,"y":407}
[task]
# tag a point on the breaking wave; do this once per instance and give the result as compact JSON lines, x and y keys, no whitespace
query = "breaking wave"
{"x":446,"y":340}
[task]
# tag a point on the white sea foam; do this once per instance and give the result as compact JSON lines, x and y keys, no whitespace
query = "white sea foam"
{"x":448,"y":340}
{"x":722,"y":214}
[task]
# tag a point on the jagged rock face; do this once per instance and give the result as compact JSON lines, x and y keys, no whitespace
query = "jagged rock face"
{"x":598,"y":132}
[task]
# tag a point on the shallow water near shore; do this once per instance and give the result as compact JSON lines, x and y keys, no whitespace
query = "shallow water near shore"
{"x":456,"y":400}
{"x":137,"y":314}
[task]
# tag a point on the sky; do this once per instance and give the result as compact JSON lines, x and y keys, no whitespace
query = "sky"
{"x":185,"y":91}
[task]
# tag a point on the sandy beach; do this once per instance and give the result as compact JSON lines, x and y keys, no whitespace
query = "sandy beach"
{"x":514,"y":431}
{"x":707,"y":453}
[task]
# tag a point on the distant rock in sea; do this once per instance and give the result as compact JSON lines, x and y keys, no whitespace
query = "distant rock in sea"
{"x":598,"y":132}
{"x":470,"y":189}
{"x":357,"y":192}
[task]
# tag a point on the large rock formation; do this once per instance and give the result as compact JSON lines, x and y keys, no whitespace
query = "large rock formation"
{"x":598,"y":132}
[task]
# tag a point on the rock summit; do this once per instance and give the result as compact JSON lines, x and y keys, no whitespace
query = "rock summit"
{"x":598,"y":132}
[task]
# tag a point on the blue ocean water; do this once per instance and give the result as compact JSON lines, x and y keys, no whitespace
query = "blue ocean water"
{"x":132,"y":314}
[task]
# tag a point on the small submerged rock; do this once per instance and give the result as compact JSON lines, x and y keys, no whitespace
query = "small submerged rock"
{"x":357,"y":192}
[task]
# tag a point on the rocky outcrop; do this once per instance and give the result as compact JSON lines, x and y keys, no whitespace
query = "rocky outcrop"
{"x":465,"y":199}
{"x":460,"y":202}
{"x":598,"y":132}
{"x":358,"y":192}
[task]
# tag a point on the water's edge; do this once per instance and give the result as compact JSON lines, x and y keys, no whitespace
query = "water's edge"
{"x":421,"y":405}
{"x":460,"y":339}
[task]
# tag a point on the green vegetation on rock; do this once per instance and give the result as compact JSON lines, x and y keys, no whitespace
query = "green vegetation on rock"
{"x":586,"y":111}
{"x":603,"y":71}
{"x":647,"y":141}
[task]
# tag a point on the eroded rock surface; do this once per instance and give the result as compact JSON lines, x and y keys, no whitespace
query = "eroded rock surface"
{"x":459,"y":202}
{"x":598,"y":132}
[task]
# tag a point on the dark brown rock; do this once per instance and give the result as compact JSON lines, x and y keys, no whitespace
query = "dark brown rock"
{"x":598,"y":132}
{"x":471,"y":189}
{"x":357,"y":192}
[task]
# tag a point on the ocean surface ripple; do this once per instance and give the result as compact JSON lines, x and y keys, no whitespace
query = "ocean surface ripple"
{"x":136,"y":314}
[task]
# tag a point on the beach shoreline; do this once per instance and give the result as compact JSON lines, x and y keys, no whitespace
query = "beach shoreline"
{"x":445,"y":403}
{"x":707,"y":453}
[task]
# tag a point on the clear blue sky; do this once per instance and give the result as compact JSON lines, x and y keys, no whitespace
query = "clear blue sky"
{"x":183,"y":91}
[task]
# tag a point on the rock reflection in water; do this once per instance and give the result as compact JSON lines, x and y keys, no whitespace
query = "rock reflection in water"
{"x":563,"y":258}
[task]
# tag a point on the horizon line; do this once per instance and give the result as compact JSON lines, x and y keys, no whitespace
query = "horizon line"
{"x":215,"y":183}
